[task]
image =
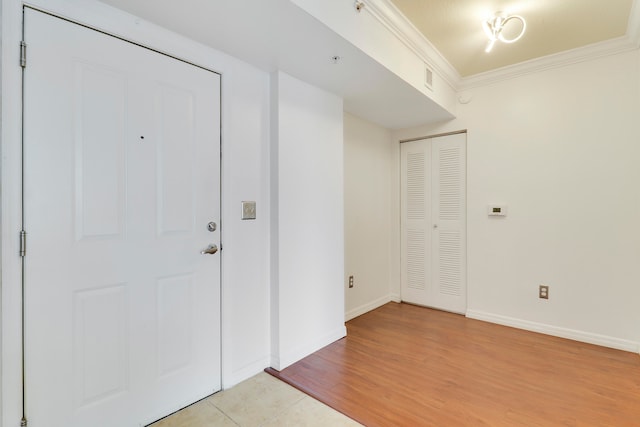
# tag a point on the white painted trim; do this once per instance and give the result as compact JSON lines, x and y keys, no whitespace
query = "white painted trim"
{"x":549,"y":62}
{"x":290,"y":357}
{"x":365,"y":308}
{"x":10,"y":190}
{"x":556,"y":331}
{"x":245,"y":373}
{"x":396,"y":298}
{"x":103,"y":17}
{"x":391,"y":18}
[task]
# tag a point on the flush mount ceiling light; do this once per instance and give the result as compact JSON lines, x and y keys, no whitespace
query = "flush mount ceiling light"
{"x":496,"y":24}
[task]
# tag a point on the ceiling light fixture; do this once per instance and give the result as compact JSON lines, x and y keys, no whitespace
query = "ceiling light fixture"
{"x":494,"y":26}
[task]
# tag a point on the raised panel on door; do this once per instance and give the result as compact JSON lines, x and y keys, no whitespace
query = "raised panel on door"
{"x":122,"y":311}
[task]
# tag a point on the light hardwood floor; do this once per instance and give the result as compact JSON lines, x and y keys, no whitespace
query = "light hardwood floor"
{"x":402,"y":365}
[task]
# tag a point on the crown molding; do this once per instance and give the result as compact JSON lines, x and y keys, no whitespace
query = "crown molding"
{"x":390,"y":16}
{"x":549,"y":62}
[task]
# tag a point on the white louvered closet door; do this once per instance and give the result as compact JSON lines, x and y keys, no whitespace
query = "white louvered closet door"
{"x":416,"y":221}
{"x":433,"y":222}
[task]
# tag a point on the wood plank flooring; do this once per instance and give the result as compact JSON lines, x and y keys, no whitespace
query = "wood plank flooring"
{"x":402,"y":365}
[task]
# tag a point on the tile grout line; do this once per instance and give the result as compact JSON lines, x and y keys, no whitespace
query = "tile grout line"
{"x":223,"y":413}
{"x":283,"y":411}
{"x":293,"y":402}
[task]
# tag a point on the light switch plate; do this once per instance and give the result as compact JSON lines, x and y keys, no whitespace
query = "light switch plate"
{"x":248,"y":210}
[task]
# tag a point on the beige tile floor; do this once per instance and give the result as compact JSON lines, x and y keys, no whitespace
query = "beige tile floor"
{"x":259,"y":401}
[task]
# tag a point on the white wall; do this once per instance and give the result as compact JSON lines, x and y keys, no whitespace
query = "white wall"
{"x":245,"y":142}
{"x":368,"y":149}
{"x":246,"y":243}
{"x":307,"y":223}
{"x":376,"y":31}
{"x":560,"y":147}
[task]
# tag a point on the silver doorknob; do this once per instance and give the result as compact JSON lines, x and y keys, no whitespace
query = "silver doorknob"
{"x":212,"y":249}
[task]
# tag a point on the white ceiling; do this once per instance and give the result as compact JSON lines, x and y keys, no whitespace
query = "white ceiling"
{"x":454,"y":27}
{"x":277,"y":35}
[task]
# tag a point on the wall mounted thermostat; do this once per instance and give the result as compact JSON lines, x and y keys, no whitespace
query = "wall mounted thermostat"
{"x":497,"y":210}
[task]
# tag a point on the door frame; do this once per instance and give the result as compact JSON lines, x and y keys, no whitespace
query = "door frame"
{"x":110,"y":21}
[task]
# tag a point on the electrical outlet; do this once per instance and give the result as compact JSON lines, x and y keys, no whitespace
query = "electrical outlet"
{"x":350,"y":281}
{"x":543,"y":292}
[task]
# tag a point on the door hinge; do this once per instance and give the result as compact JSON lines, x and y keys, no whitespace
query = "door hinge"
{"x":23,"y":54}
{"x":23,"y":243}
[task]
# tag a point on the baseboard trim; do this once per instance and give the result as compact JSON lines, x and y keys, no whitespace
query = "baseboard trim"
{"x":364,"y":308}
{"x":288,"y":358}
{"x":244,"y":373}
{"x":556,"y":331}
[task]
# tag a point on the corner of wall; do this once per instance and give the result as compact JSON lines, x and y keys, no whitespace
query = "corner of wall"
{"x":307,"y":227}
{"x":245,"y":373}
{"x":372,"y":305}
{"x":274,"y":242}
{"x":293,"y":355}
{"x":394,"y":247}
{"x":370,"y":225}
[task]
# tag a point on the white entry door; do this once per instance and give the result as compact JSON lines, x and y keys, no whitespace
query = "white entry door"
{"x":433,"y":226}
{"x":121,"y":178}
